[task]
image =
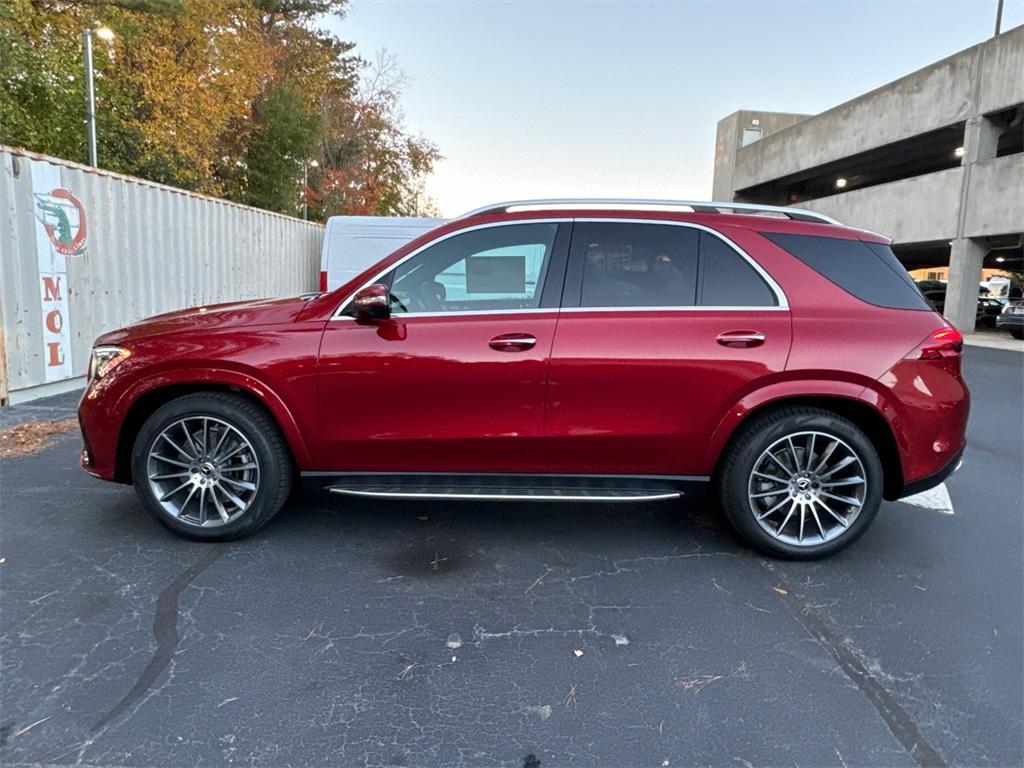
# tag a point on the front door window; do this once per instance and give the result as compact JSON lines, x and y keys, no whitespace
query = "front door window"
{"x":496,"y":268}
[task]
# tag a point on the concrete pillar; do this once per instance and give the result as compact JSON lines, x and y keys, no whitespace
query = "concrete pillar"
{"x":981,"y":139}
{"x":965,"y":261}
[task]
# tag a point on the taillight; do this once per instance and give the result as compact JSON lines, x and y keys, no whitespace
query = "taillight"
{"x":943,"y":343}
{"x":323,"y":281}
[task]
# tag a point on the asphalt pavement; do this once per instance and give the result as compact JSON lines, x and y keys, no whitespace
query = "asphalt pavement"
{"x":353,"y":633}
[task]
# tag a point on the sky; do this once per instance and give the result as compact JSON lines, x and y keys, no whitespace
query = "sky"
{"x":532,"y":100}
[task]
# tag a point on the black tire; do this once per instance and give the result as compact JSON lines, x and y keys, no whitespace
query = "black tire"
{"x":738,"y":462}
{"x":1017,"y":334}
{"x":256,"y":425}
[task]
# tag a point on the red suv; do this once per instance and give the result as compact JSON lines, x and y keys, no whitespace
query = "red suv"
{"x":560,"y":350}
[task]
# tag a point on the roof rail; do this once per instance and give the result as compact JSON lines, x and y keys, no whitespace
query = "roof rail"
{"x":697,"y":206}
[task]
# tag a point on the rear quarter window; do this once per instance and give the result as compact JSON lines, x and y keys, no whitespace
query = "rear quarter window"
{"x":869,"y":271}
{"x":727,"y":280}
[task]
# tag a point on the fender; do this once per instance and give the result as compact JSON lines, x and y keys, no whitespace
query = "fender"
{"x":783,"y":390}
{"x":224,"y":377}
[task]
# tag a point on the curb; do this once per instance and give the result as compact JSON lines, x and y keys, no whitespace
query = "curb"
{"x":993,"y":341}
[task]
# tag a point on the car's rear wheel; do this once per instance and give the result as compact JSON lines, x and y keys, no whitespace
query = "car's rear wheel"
{"x":800,"y":483}
{"x":211,"y":466}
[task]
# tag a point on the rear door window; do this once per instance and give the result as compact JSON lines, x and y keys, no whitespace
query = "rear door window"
{"x":869,"y":271}
{"x":629,"y":265}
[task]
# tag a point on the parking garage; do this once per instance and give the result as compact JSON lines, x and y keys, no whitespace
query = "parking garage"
{"x":934,"y":160}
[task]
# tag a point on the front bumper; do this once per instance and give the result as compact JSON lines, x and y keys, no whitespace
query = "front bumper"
{"x":99,"y":418}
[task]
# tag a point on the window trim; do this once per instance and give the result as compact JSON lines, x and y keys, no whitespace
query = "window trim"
{"x":575,"y":275}
{"x":552,"y":262}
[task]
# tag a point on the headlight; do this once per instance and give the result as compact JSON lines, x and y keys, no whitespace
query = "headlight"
{"x":105,"y":359}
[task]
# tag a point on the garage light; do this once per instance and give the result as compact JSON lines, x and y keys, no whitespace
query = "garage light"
{"x":959,"y":151}
{"x":1000,"y":259}
{"x":840,"y":183}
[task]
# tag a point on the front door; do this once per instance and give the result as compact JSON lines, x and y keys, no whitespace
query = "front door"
{"x":664,"y":327}
{"x":454,"y":381}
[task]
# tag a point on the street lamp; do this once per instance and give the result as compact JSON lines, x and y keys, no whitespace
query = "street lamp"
{"x":105,"y":34}
{"x":305,"y":186}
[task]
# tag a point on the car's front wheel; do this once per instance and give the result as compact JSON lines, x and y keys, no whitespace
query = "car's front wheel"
{"x":211,"y":466}
{"x":800,"y":483}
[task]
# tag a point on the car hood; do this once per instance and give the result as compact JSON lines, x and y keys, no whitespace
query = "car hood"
{"x":237,"y":314}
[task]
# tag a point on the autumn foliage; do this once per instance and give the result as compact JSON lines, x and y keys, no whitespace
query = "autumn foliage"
{"x":236,"y":98}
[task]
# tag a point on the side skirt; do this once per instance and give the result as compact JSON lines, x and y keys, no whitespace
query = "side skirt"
{"x":505,"y":487}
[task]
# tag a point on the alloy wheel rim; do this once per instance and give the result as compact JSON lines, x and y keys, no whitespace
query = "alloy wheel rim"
{"x":807,"y":488}
{"x":203,"y":471}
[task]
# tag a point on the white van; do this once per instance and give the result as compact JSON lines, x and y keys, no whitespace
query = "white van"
{"x":353,"y":243}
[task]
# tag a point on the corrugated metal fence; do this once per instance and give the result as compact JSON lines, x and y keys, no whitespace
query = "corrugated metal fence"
{"x":84,"y":251}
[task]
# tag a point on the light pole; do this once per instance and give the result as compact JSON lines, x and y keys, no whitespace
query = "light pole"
{"x":103,"y":33}
{"x":305,"y":186}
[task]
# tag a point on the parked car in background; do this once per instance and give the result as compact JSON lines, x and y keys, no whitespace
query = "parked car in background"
{"x":589,"y":351}
{"x":1012,"y":319}
{"x":988,"y":309}
{"x":353,"y":243}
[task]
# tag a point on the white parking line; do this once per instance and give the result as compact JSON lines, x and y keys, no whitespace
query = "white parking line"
{"x":935,"y":499}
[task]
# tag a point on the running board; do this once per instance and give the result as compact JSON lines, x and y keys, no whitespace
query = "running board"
{"x":506,"y":494}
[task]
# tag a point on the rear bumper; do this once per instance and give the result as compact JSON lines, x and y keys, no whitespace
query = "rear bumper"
{"x":927,"y":405}
{"x":925,"y":483}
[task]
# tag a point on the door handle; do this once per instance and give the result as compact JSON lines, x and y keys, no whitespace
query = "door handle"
{"x":513,"y":342}
{"x":740,"y":339}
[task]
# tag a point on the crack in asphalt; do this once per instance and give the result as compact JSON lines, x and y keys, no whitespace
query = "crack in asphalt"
{"x":165,"y":630}
{"x":900,"y":724}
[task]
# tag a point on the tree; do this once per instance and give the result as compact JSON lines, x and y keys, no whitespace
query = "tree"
{"x":368,"y":164}
{"x":190,"y":80}
{"x":280,"y":146}
{"x":40,"y":95}
{"x":226,"y":97}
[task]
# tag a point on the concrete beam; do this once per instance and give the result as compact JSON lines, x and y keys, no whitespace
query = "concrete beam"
{"x":915,"y":210}
{"x":927,"y":208}
{"x":1002,"y":77}
{"x":981,"y":79}
{"x":995,"y":198}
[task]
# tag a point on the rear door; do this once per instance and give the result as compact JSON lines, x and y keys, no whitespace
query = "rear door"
{"x":664,"y":326}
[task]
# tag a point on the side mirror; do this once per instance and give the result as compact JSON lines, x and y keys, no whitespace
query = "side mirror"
{"x":372,"y":304}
